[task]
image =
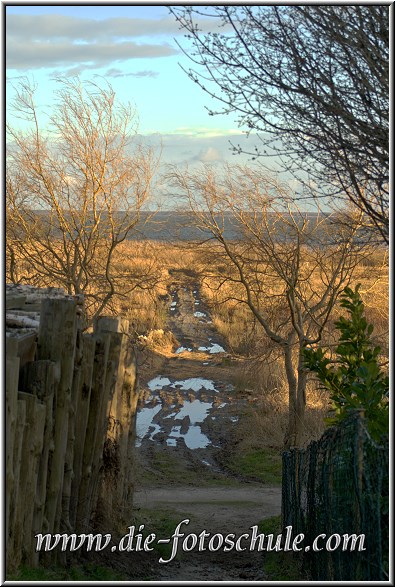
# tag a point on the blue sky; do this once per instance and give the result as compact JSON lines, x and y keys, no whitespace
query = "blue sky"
{"x":134,"y":48}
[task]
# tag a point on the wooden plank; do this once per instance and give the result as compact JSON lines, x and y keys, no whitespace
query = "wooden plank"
{"x":23,"y":346}
{"x":27,"y":346}
{"x":36,"y":448}
{"x":82,"y":415}
{"x":95,"y":428}
{"x":11,"y":346}
{"x":32,"y":307}
{"x":130,"y":397}
{"x":69,"y":456}
{"x":39,"y":379}
{"x":11,"y":395}
{"x":26,"y":468}
{"x":13,"y":557}
{"x":111,"y":429}
{"x":117,"y":486}
{"x":14,"y":301}
{"x":19,"y":321}
{"x":110,"y":324}
{"x":56,"y":342}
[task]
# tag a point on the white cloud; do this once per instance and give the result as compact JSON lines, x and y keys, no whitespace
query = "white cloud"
{"x":209,"y":155}
{"x":203,"y":132}
{"x":56,"y":40}
{"x":58,"y":26}
{"x":23,"y":56}
{"x":114,"y":72}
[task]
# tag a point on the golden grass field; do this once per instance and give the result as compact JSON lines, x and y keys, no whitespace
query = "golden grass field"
{"x":260,"y":370}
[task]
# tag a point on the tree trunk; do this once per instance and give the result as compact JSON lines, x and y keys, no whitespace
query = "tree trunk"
{"x":297,"y":380}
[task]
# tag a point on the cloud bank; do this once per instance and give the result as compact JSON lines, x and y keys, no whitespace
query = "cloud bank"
{"x":51,"y":41}
{"x":56,"y":40}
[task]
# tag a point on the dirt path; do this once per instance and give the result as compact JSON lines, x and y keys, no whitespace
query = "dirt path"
{"x":187,"y":417}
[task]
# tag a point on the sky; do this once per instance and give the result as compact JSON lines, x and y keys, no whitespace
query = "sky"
{"x":134,"y":48}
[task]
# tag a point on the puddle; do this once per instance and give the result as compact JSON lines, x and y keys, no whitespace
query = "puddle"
{"x":192,"y":412}
{"x":194,"y":438}
{"x":158,"y":383}
{"x":144,"y":421}
{"x":196,"y":410}
{"x":156,"y":429}
{"x":199,"y":314}
{"x":194,"y":384}
{"x":182,"y":349}
{"x":213,"y":349}
{"x":173,"y":304}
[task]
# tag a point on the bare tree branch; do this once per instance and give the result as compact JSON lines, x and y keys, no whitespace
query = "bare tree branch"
{"x":287,"y":265}
{"x":314,"y":82}
{"x":75,"y":189}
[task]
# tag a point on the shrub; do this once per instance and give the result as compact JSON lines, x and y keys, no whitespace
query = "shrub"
{"x":354,"y":378}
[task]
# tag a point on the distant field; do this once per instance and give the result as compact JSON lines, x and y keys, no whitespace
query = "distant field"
{"x":179,"y":225}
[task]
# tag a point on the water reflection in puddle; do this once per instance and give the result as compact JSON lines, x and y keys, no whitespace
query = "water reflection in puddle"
{"x":194,"y":384}
{"x":214,"y":348}
{"x":158,"y":383}
{"x":182,"y":349}
{"x":196,"y":411}
{"x":144,"y":421}
{"x":194,"y":438}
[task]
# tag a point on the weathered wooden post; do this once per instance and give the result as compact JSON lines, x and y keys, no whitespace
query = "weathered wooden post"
{"x":111,"y":490}
{"x":81,"y":420}
{"x":56,"y":342}
{"x":95,"y":430}
{"x":12,"y":554}
{"x":129,"y":410}
{"x":37,"y":427}
{"x":69,"y":455}
{"x":31,"y":449}
{"x":39,"y":378}
{"x":105,"y":444}
{"x":11,"y":394}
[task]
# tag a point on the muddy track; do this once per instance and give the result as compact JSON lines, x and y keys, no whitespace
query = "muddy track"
{"x":188,"y":414}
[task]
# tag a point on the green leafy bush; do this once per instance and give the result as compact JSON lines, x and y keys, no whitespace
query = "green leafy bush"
{"x":354,"y":378}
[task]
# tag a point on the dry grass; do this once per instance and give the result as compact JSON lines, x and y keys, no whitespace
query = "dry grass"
{"x":264,"y":384}
{"x":262,"y":373}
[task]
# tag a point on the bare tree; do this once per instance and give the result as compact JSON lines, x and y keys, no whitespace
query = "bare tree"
{"x":287,"y":265}
{"x":75,"y":188}
{"x":313,"y":81}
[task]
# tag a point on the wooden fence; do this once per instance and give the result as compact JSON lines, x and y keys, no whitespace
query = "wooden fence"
{"x":71,"y":400}
{"x":338,"y":487}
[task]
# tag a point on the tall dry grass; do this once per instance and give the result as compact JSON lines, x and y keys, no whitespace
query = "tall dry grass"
{"x":262,"y":373}
{"x":261,"y":370}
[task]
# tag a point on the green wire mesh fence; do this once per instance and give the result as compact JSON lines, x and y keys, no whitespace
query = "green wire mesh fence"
{"x":338,"y":485}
